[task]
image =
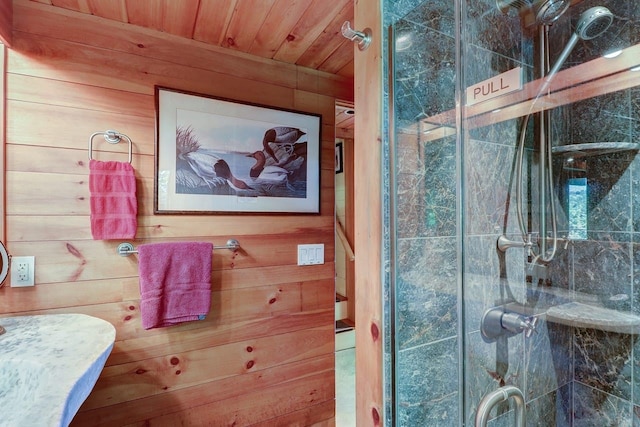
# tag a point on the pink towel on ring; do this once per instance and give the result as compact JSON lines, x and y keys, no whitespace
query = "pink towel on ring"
{"x":175,"y":282}
{"x":114,"y":206}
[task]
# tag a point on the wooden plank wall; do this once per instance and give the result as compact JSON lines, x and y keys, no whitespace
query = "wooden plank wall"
{"x":265,"y":354}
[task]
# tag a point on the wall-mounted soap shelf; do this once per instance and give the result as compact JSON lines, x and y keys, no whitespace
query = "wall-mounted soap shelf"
{"x":590,"y":316}
{"x":594,"y":148}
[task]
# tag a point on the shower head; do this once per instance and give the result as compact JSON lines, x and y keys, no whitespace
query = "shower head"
{"x":550,"y":10}
{"x":594,"y":22}
{"x":545,"y":11}
{"x":504,"y":5}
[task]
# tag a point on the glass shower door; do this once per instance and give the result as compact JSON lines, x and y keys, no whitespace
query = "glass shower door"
{"x":561,"y":313}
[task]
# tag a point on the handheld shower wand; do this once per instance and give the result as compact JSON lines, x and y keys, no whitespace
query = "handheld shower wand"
{"x":592,"y":23}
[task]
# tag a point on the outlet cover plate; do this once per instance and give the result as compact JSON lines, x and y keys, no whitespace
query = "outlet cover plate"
{"x":23,"y":271}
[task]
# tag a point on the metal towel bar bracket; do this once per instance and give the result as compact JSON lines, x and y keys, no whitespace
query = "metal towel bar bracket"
{"x":112,"y":137}
{"x":126,"y":249}
{"x":363,"y":38}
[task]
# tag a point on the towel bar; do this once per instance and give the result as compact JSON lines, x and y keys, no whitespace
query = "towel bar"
{"x":126,"y":249}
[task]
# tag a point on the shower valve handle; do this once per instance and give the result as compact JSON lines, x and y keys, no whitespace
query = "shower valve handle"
{"x":516,"y":323}
{"x":530,"y":326}
{"x":497,"y":321}
{"x":505,"y":243}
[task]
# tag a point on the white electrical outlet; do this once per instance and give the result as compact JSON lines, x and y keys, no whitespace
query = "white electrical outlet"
{"x":23,"y":271}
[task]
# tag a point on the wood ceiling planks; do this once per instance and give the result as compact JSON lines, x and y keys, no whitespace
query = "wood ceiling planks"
{"x":318,"y":17}
{"x":213,"y":21}
{"x":302,"y":32}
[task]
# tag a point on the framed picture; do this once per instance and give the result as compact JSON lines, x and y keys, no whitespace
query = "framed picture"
{"x":217,"y":155}
{"x":339,"y":157}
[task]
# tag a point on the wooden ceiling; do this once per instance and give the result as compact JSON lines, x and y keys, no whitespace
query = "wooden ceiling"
{"x":302,"y":32}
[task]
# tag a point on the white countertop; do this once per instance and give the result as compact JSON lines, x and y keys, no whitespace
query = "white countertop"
{"x":49,"y":365}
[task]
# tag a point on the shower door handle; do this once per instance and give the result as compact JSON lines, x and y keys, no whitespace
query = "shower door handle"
{"x":500,"y":395}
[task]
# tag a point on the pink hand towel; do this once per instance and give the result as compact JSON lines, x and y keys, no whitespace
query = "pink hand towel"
{"x":113,"y":200}
{"x":175,"y":282}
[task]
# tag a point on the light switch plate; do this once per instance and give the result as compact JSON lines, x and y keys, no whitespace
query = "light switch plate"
{"x":311,"y":254}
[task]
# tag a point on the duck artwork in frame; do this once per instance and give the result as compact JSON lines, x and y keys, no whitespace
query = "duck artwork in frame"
{"x":220,"y":156}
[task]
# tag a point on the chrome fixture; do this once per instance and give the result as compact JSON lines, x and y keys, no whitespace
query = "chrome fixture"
{"x":592,"y":23}
{"x":550,"y":10}
{"x":497,"y":321}
{"x":504,"y":5}
{"x":126,"y":248}
{"x":545,"y":11}
{"x":500,"y":395}
{"x":504,"y":243}
{"x":363,"y":38}
{"x":112,"y":137}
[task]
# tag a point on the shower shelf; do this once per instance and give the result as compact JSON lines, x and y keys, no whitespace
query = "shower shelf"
{"x":594,"y":148}
{"x":594,"y":317}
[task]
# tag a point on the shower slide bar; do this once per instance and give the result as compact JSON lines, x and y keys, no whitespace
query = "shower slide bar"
{"x":112,"y":137}
{"x":126,"y":249}
{"x":500,"y":395}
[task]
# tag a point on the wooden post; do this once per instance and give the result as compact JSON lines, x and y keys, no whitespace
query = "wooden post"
{"x":368,"y":235}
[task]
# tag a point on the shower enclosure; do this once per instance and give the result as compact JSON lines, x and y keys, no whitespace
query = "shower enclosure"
{"x":554,"y":316}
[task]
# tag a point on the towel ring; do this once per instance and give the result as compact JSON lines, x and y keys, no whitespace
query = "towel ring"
{"x":112,"y":137}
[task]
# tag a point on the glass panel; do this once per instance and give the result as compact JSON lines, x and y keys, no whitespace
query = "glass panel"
{"x":556,"y":317}
{"x":579,"y":291}
{"x":425,"y":219}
